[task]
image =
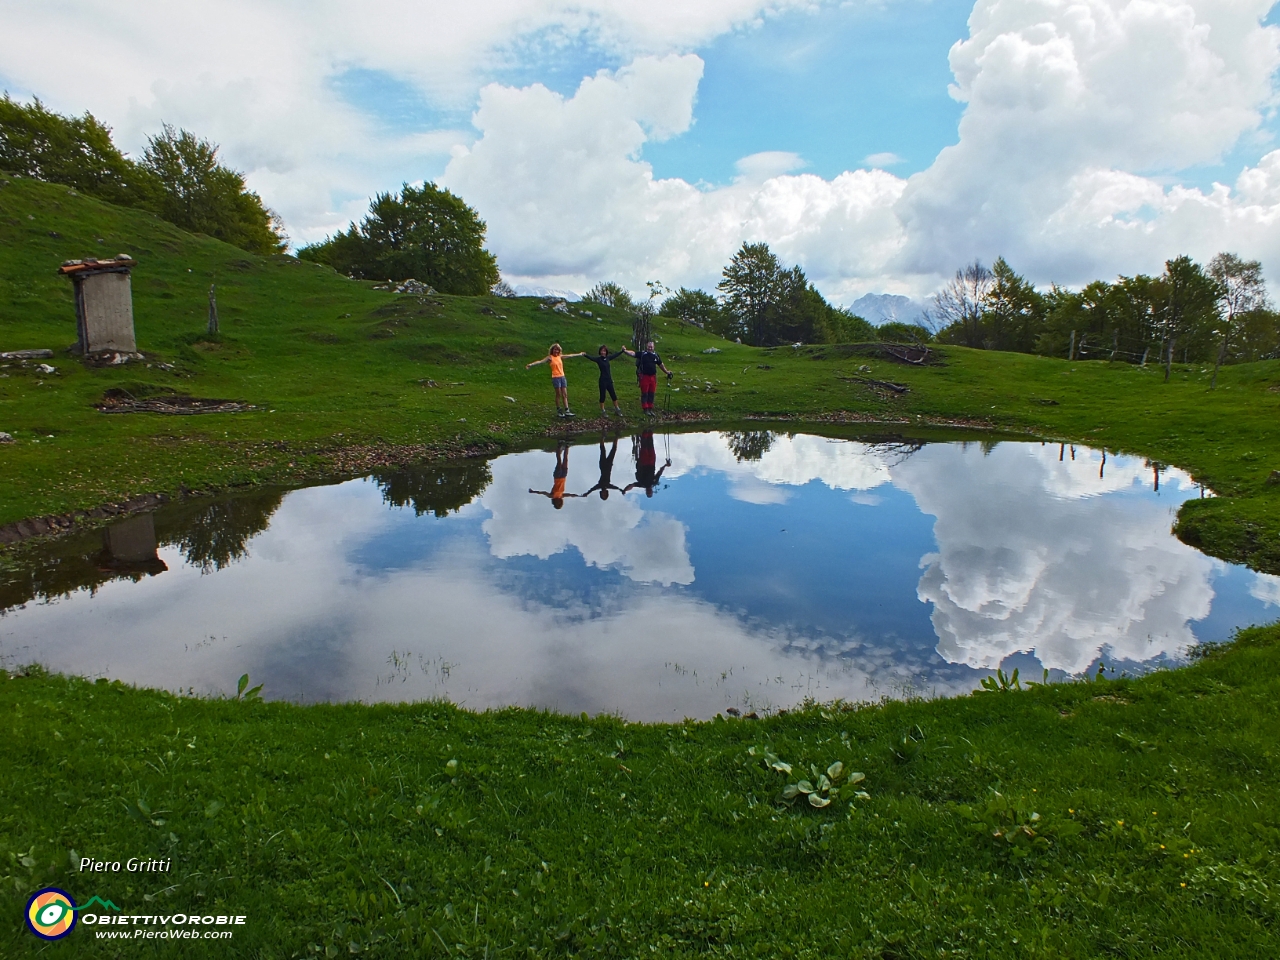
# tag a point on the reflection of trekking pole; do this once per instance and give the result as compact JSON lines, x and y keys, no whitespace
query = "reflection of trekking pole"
{"x":668,"y":396}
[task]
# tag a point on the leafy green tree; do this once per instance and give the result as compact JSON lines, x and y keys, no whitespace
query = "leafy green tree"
{"x":693,"y":306}
{"x":765,"y":304}
{"x":1187,"y":313}
{"x":200,"y":194}
{"x":751,"y":287}
{"x":1102,"y":320}
{"x":1259,"y":336}
{"x":896,"y":331}
{"x":1014,"y":312}
{"x":76,"y":151}
{"x":609,"y":294}
{"x":842,"y":325}
{"x":424,"y":233}
{"x":1241,"y":291}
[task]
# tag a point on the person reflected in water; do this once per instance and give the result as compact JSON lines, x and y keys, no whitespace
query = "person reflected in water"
{"x":602,"y":359}
{"x":605,"y":484}
{"x":648,"y":363}
{"x":646,"y":459}
{"x":559,"y":477}
{"x":556,"y":357}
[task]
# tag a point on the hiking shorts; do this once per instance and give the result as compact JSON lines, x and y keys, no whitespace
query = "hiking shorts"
{"x":560,"y":383}
{"x":606,"y":386}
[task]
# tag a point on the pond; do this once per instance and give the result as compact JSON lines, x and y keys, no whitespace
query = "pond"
{"x":679,"y":575}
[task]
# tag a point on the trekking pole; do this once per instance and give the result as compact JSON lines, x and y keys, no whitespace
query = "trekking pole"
{"x":668,"y":396}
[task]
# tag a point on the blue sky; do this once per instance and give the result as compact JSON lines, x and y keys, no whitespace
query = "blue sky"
{"x":834,"y":85}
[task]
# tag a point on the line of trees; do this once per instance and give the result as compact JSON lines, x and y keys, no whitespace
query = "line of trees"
{"x":425,"y":233}
{"x":178,"y":178}
{"x":1217,"y":313}
{"x":761,"y":302}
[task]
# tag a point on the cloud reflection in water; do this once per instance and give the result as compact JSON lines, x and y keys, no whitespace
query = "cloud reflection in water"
{"x":605,"y":606}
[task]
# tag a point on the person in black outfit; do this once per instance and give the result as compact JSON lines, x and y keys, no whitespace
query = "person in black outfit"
{"x":602,"y":359}
{"x":647,"y":364}
{"x":606,"y":471}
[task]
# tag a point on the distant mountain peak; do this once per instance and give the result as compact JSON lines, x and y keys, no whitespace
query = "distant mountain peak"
{"x":532,"y":290}
{"x":878,"y":308}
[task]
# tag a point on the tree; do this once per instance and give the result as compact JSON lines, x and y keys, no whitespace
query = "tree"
{"x":200,"y":194}
{"x":1241,"y":290}
{"x":958,"y":307}
{"x":693,"y":306}
{"x":425,"y":233}
{"x":1013,"y":312}
{"x":1187,"y":311}
{"x":895,"y":331}
{"x":842,"y":325}
{"x":440,"y":490}
{"x":76,"y":151}
{"x":214,"y":534}
{"x":607,"y":293}
{"x":1259,"y":337}
{"x":749,"y":444}
{"x":752,"y":284}
{"x":765,"y":304}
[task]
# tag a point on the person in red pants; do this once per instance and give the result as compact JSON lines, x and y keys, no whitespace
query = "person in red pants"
{"x":648,"y":363}
{"x":646,"y":459}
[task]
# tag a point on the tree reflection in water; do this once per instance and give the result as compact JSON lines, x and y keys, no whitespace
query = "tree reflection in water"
{"x":213,"y":534}
{"x":749,"y":444}
{"x":439,"y":489}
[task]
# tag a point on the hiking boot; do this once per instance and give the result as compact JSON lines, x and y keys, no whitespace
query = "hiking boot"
{"x":570,"y":413}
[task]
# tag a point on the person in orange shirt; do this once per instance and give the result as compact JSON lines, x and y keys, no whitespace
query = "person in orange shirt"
{"x":556,"y":357}
{"x":559,"y":477}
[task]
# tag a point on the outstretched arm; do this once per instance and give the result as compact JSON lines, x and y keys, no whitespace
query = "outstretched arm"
{"x":664,"y":368}
{"x":536,"y":362}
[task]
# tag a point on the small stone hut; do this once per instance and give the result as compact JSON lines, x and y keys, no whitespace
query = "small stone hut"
{"x":104,"y":304}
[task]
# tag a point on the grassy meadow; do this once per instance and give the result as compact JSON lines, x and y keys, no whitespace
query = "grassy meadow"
{"x":1115,"y":817}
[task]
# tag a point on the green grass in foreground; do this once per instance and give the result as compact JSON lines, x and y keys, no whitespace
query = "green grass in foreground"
{"x":342,"y":375}
{"x":350,"y":829}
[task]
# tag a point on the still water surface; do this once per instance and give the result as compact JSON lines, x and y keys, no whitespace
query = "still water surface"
{"x":752,"y":571}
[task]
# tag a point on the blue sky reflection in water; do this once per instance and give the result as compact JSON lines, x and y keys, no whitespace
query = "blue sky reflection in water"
{"x":810,"y":567}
